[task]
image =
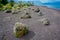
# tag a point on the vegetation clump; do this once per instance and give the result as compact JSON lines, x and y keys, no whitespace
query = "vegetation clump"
{"x":14,"y":12}
{"x":7,"y":5}
{"x":27,"y":15}
{"x":20,"y":30}
{"x":45,"y":21}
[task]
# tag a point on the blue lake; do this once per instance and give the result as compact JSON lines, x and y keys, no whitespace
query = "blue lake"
{"x":55,"y":5}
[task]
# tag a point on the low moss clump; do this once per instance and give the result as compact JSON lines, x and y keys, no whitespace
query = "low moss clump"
{"x":26,"y":16}
{"x":20,"y":30}
{"x":14,"y":12}
{"x":45,"y":21}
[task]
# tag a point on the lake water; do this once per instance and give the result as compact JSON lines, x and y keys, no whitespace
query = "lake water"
{"x":55,"y":5}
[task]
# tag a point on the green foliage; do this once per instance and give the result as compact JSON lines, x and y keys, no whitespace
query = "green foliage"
{"x":1,"y":5}
{"x":20,"y":30}
{"x":22,"y":4}
{"x":14,"y":6}
{"x":4,"y":2}
{"x":7,"y":6}
{"x":30,"y":3}
{"x":25,"y":7}
{"x":12,"y":2}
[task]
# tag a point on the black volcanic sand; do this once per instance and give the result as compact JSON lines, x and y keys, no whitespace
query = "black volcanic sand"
{"x":38,"y":31}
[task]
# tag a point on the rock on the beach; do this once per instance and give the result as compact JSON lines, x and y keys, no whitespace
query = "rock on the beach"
{"x":29,"y":8}
{"x":20,"y":29}
{"x":8,"y":11}
{"x":37,"y":10}
{"x":40,"y":13}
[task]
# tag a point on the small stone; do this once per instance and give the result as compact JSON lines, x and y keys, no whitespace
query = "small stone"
{"x":32,"y":9}
{"x":19,"y":10}
{"x":29,"y":8}
{"x":8,"y":11}
{"x":27,"y":13}
{"x":37,"y":10}
{"x":40,"y":13}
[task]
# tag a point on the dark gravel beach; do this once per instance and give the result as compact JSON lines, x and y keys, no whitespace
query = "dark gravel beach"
{"x":38,"y":31}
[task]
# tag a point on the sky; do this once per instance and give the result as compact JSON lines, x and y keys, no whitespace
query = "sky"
{"x":43,"y":1}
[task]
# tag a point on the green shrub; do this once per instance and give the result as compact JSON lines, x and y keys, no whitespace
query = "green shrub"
{"x":7,"y":6}
{"x":15,"y":7}
{"x":18,"y":8}
{"x":1,"y":5}
{"x":0,"y":9}
{"x":25,"y":6}
{"x":21,"y":4}
{"x":20,"y":30}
